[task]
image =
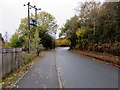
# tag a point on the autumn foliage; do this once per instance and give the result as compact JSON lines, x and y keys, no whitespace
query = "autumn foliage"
{"x":63,"y":42}
{"x":95,"y":27}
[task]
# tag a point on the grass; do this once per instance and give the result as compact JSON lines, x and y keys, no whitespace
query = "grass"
{"x":58,"y":47}
{"x":11,"y":79}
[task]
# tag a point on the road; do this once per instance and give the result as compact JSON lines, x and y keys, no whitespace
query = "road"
{"x":81,"y":72}
{"x":75,"y":71}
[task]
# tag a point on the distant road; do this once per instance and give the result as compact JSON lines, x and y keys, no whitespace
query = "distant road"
{"x":81,"y":72}
{"x":76,"y":72}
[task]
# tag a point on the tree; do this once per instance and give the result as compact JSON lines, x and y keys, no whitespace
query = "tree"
{"x":14,"y":41}
{"x":95,"y":27}
{"x":70,"y":28}
{"x":46,"y":29}
{"x":47,"y":22}
{"x":63,"y":42}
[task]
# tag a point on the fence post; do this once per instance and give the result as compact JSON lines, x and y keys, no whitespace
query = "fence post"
{"x":0,"y":64}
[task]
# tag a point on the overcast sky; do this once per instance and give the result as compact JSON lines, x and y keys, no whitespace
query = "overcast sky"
{"x":11,"y":12}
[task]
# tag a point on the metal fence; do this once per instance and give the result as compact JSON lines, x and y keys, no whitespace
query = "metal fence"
{"x":10,"y":60}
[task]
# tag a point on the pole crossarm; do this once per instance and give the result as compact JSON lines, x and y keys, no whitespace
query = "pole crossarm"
{"x":30,"y":6}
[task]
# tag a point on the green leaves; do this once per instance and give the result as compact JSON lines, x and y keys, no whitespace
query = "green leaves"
{"x":94,"y":23}
{"x":47,"y":22}
{"x":14,"y":41}
{"x":47,"y":29}
{"x":40,"y":36}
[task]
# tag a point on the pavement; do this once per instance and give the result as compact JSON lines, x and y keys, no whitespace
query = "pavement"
{"x":42,"y":75}
{"x":69,"y":69}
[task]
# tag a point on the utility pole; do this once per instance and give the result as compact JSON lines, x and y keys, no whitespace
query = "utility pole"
{"x":36,"y":9}
{"x":29,"y":7}
{"x":28,"y":26}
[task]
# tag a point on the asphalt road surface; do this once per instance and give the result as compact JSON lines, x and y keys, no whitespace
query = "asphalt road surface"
{"x":71,"y":70}
{"x":81,"y":72}
{"x":42,"y":75}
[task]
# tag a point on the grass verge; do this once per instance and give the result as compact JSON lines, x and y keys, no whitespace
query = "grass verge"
{"x":58,"y":47}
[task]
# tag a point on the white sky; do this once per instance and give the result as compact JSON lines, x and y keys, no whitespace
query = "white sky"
{"x":11,"y":12}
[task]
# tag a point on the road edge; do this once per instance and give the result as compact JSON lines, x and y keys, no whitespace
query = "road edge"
{"x":21,"y":77}
{"x":25,"y":73}
{"x":97,"y":59}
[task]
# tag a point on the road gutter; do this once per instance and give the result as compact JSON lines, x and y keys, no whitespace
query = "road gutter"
{"x":21,"y":77}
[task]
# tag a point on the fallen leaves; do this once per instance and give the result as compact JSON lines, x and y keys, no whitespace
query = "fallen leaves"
{"x":101,"y":57}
